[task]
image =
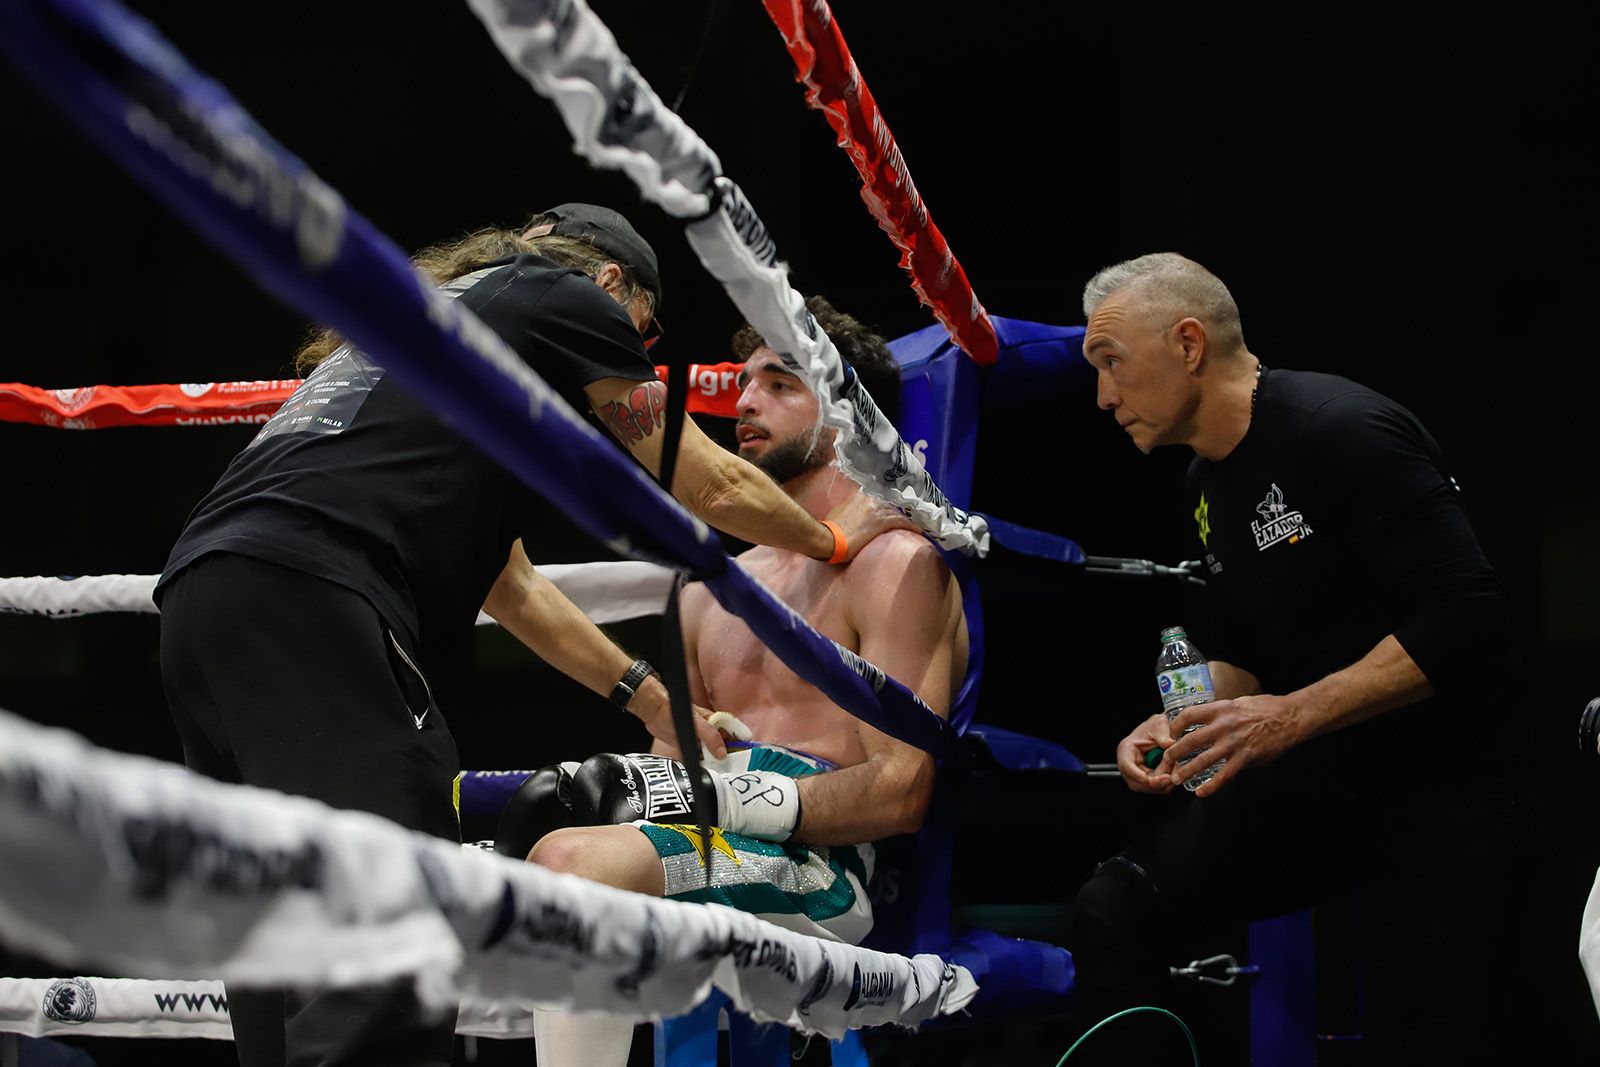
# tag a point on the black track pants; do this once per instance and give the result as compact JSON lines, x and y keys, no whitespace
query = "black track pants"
{"x":1436,"y":865}
{"x":279,"y":679}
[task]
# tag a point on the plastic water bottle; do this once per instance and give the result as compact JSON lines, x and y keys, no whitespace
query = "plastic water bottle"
{"x":1184,"y":678}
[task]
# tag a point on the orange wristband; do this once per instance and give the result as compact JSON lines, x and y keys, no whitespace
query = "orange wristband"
{"x":841,"y":548}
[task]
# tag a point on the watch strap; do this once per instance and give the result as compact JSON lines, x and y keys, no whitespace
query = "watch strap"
{"x":629,"y":683}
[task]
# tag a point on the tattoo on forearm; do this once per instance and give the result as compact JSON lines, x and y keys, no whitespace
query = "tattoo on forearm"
{"x":645,"y":410}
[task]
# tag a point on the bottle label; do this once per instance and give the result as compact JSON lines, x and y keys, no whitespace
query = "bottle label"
{"x":1184,"y":686}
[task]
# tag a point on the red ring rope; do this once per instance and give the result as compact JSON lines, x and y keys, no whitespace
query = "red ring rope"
{"x":712,"y":391}
{"x":834,"y":86}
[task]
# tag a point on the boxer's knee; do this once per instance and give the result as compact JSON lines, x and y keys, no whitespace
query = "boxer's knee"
{"x":618,"y":856}
{"x":568,"y":850}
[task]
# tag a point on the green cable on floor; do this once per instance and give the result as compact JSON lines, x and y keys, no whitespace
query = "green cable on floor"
{"x":1194,"y":1050}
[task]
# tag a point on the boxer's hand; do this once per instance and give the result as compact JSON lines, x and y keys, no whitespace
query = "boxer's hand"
{"x":609,"y":788}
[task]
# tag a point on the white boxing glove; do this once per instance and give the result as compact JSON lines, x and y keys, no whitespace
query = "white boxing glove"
{"x":763,"y":804}
{"x":612,"y":788}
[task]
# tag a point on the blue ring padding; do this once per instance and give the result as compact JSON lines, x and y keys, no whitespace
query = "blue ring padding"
{"x":1030,"y":542}
{"x":102,"y":65}
{"x":483,"y":795}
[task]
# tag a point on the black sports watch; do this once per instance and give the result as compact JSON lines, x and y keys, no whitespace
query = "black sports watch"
{"x":630,"y":682}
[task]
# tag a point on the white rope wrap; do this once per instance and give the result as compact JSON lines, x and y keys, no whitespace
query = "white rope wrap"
{"x":612,"y":591}
{"x":617,"y":121}
{"x":128,"y":864}
{"x":68,"y":597}
{"x":734,"y":247}
{"x":605,"y":591}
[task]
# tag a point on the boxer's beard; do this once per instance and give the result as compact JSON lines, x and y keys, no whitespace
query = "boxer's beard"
{"x":788,"y":460}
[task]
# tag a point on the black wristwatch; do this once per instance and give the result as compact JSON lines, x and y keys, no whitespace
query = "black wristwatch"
{"x":630,"y":682}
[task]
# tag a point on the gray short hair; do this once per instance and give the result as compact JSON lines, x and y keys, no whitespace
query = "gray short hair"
{"x":1177,"y":286}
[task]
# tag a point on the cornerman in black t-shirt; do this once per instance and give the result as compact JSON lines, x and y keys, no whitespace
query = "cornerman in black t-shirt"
{"x":1359,"y":647}
{"x":344,"y":554}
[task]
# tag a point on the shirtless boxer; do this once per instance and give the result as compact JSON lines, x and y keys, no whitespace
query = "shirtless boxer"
{"x":828,"y":783}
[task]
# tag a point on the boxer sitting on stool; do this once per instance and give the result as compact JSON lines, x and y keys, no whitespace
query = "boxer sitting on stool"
{"x":794,"y":810}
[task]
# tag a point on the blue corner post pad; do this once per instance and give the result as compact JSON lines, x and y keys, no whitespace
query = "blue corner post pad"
{"x":1014,"y":975}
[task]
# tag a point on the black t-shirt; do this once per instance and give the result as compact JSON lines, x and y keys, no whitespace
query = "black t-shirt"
{"x":356,"y":481}
{"x":1333,"y":524}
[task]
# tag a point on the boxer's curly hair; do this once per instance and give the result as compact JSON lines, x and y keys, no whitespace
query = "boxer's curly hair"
{"x":859,"y":346}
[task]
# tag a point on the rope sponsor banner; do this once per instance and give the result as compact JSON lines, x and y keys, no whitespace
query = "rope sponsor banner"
{"x":713,"y":391}
{"x":713,"y":388}
{"x":173,"y":1008}
{"x":96,"y":407}
{"x":606,"y":591}
{"x":834,"y":86}
{"x":125,"y":863}
{"x":114,"y":1007}
{"x":616,"y":120}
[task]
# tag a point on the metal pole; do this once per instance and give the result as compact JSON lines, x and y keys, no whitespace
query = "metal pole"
{"x":1187,"y":572}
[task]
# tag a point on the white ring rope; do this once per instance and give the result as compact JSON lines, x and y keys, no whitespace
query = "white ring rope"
{"x":617,"y":121}
{"x":150,"y":1008}
{"x":1589,"y":941}
{"x":129,"y":864}
{"x":606,"y":591}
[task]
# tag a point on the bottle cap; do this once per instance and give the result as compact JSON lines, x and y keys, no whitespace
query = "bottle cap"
{"x":1172,"y":633}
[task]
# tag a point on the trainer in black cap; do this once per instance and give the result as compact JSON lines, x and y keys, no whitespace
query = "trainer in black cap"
{"x":612,"y":234}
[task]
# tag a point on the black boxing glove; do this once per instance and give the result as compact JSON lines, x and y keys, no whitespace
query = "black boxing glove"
{"x":541,"y":804}
{"x":611,"y":788}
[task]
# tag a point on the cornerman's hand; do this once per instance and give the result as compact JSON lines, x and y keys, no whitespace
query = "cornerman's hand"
{"x":861,"y":518}
{"x":652,"y":707}
{"x":1148,"y":735}
{"x":1244,"y":731}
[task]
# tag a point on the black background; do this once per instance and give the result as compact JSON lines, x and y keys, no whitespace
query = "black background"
{"x":1392,"y":192}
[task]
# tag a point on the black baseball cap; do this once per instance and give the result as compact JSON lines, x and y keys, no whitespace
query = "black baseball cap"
{"x":612,"y":234}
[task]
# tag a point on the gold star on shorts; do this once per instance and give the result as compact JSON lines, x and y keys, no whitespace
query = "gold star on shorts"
{"x":718,"y":841}
{"x":1202,"y":519}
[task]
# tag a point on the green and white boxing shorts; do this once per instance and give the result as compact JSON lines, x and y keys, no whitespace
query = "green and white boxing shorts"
{"x":812,"y":889}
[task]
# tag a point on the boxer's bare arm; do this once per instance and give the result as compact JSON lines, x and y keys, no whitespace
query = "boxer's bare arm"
{"x":906,"y":608}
